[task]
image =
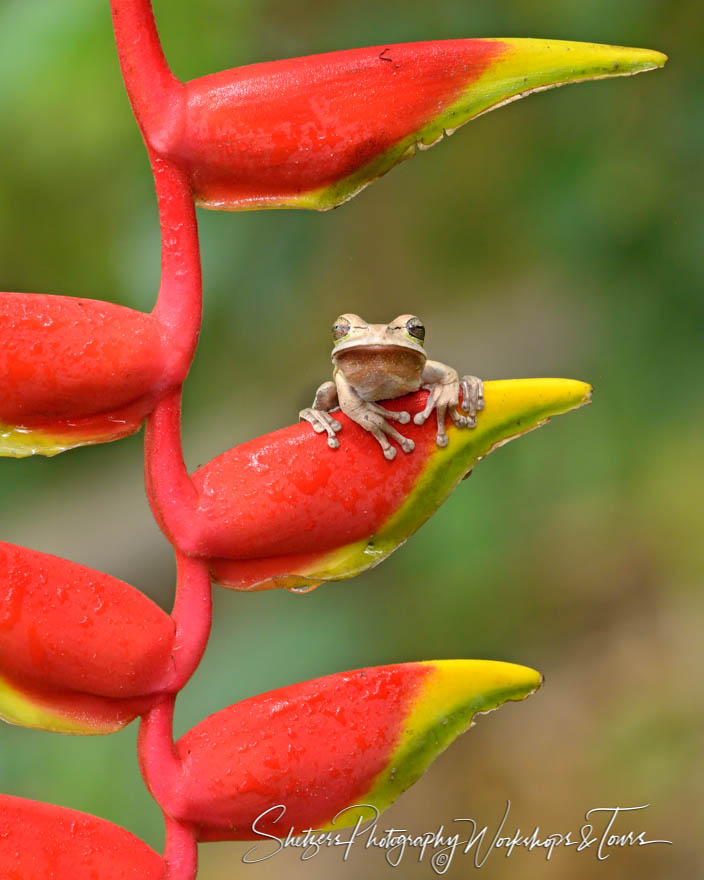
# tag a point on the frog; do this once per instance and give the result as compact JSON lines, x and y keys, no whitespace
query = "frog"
{"x":376,"y":362}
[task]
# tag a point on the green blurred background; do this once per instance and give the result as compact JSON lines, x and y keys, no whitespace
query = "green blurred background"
{"x":561,"y":236}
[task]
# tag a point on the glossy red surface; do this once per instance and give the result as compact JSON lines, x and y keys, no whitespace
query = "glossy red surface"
{"x":65,"y":627}
{"x":62,"y":357}
{"x":40,"y":841}
{"x":283,"y":128}
{"x":288,"y":492}
{"x":315,"y":747}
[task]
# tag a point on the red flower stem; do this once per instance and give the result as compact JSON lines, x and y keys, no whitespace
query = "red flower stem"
{"x":151,"y":87}
{"x":179,"y":302}
{"x":180,"y":851}
{"x":153,"y":91}
{"x":154,"y":94}
{"x":172,"y":495}
{"x":161,"y":770}
{"x":158,"y":760}
{"x":192,"y":614}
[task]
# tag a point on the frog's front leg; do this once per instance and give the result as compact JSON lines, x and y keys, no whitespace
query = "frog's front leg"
{"x":444,"y":385}
{"x":319,"y":416}
{"x":372,"y":417}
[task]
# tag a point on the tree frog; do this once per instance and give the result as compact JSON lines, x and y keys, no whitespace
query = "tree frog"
{"x":375,"y":362}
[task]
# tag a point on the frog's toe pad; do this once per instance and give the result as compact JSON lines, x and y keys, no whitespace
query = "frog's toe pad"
{"x":404,"y":418}
{"x":442,"y":440}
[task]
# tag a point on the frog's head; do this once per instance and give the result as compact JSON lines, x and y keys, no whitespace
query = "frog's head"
{"x":350,"y":332}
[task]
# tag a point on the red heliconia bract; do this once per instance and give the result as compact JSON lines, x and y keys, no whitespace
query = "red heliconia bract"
{"x":312,"y":132}
{"x":43,"y":842}
{"x":77,"y":371}
{"x":286,"y":510}
{"x":320,"y":748}
{"x":82,"y":652}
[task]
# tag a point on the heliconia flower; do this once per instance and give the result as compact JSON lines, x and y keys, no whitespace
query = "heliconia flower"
{"x":312,"y":132}
{"x":40,"y":841}
{"x":82,"y":652}
{"x":79,"y":371}
{"x":285,"y":510}
{"x":63,"y":369}
{"x":322,"y":747}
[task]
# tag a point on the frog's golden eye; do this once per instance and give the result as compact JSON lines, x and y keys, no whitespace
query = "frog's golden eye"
{"x":340,"y":328}
{"x":416,"y":328}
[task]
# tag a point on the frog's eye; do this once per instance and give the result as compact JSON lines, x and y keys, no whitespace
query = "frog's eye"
{"x":340,"y":328}
{"x":416,"y":328}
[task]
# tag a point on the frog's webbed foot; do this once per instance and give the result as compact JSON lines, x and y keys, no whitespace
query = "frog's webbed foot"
{"x":444,"y":397}
{"x":320,"y":414}
{"x":321,"y":420}
{"x":472,"y":399}
{"x":372,"y":418}
{"x":440,"y":398}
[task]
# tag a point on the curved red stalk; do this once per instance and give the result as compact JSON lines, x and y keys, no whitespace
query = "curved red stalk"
{"x":172,"y":494}
{"x":151,"y":87}
{"x":192,"y":614}
{"x":179,"y":301}
{"x":149,"y":84}
{"x":180,"y":851}
{"x":161,"y":770}
{"x":154,"y":92}
{"x":158,"y":759}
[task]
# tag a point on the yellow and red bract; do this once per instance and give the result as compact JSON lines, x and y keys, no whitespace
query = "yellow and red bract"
{"x":322,"y":747}
{"x":312,"y":132}
{"x":76,"y":371}
{"x":82,"y":652}
{"x":81,"y":371}
{"x":285,"y":510}
{"x":40,"y":841}
{"x":79,"y":650}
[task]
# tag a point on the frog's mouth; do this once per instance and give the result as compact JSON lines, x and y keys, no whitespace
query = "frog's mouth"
{"x":379,"y":353}
{"x":381,"y":349}
{"x":378,"y":348}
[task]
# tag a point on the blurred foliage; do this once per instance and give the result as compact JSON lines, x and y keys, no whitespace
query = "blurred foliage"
{"x":560,"y":236}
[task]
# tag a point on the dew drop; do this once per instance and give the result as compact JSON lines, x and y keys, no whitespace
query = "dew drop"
{"x":301,"y":586}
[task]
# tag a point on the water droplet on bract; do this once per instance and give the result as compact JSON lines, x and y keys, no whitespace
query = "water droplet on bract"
{"x":296,"y":584}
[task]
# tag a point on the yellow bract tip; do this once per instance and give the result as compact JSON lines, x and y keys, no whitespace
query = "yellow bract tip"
{"x":483,"y":683}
